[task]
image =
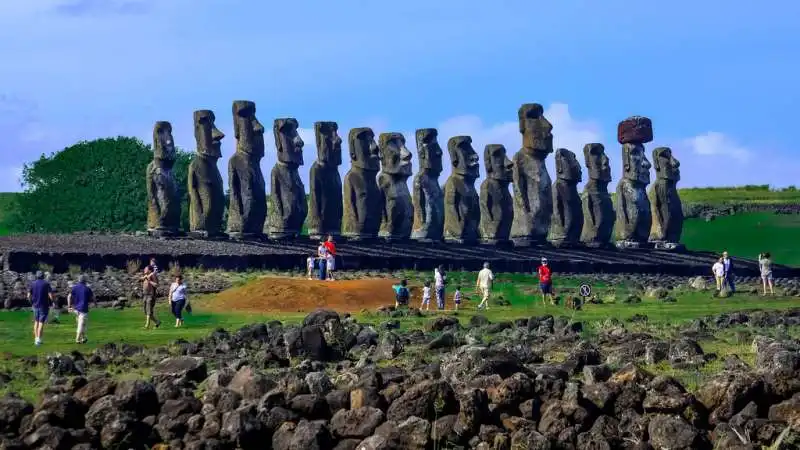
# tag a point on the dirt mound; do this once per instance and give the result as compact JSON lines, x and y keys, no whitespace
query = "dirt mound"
{"x":273,"y":294}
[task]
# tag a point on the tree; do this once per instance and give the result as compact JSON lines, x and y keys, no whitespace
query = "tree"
{"x":94,"y":185}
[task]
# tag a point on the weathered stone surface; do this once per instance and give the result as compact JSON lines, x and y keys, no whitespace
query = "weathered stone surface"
{"x":462,"y":211}
{"x":427,"y":196}
{"x":565,"y":229}
{"x":598,"y":209}
{"x":163,"y":202}
{"x":634,"y":217}
{"x":287,"y":201}
{"x":247,"y":209}
{"x":206,"y":191}
{"x":497,"y":206}
{"x":362,"y":198}
{"x":533,"y":198}
{"x":397,"y":207}
{"x":664,"y":200}
{"x":325,"y":209}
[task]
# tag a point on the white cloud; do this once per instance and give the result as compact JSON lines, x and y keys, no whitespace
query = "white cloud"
{"x":714,"y":143}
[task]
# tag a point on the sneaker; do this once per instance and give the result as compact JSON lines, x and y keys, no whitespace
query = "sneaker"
{"x":158,"y":324}
{"x":37,"y":342}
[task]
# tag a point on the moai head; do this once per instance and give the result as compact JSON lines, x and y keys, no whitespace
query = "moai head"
{"x":498,"y":166}
{"x":207,"y":135}
{"x":537,"y":131}
{"x":288,"y":142}
{"x":567,"y":166}
{"x":248,"y":131}
{"x":329,"y":144}
{"x":395,"y":157}
{"x":635,"y":130}
{"x":163,"y":145}
{"x":597,"y":162}
{"x":463,"y":157}
{"x":635,"y":165}
{"x":429,"y":151}
{"x":364,"y":152}
{"x":667,"y":167}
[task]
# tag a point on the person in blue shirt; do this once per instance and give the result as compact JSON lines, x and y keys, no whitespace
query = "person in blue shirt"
{"x":40,"y":295}
{"x":401,"y":294}
{"x":78,"y":302}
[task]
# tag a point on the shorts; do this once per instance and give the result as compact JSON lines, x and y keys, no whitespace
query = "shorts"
{"x":547,"y":288}
{"x":426,"y":300}
{"x":149,"y":304}
{"x":457,"y":301}
{"x":331,"y":262}
{"x":401,"y":300}
{"x":40,"y":314}
{"x":766,"y":276}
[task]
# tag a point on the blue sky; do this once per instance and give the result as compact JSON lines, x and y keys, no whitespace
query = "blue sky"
{"x":718,"y":79}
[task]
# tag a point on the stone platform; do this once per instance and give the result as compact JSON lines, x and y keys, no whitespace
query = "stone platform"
{"x":25,"y":253}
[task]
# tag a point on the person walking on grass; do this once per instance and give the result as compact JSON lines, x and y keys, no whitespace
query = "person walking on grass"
{"x":730,"y":282}
{"x":718,"y":269}
{"x":426,"y":296}
{"x":457,"y":297}
{"x":149,"y":286}
{"x":330,"y":260}
{"x":546,"y":282}
{"x":765,"y":267}
{"x":178,"y":299}
{"x":401,"y":294}
{"x":78,"y":302}
{"x":40,"y":295}
{"x":439,"y":282}
{"x":484,"y":285}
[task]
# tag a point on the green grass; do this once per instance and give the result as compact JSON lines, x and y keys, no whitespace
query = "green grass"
{"x":741,"y":194}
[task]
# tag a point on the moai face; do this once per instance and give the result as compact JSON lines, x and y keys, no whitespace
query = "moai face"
{"x":329,"y":144}
{"x":667,"y":167}
{"x":288,"y":142}
{"x":364,"y":152}
{"x":635,"y":163}
{"x":537,"y":131}
{"x":498,"y":166}
{"x":395,"y":157}
{"x":567,"y":166}
{"x":463,"y":157}
{"x":163,"y":145}
{"x":248,"y":131}
{"x":429,"y":151}
{"x":597,"y":162}
{"x":207,"y":135}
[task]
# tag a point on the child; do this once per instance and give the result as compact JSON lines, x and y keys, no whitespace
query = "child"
{"x":426,"y":296}
{"x":330,"y":260}
{"x":310,"y":265}
{"x":401,"y":294}
{"x":719,"y":273}
{"x":457,"y":297}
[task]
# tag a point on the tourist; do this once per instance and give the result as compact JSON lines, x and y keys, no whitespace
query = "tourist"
{"x":426,"y":296}
{"x":439,"y":282}
{"x":719,"y":273}
{"x":484,"y":285}
{"x":153,"y":266}
{"x":401,"y":294}
{"x":546,"y":282}
{"x":40,"y":295}
{"x":457,"y":297}
{"x":178,"y":299}
{"x":322,"y":260}
{"x":729,"y":274}
{"x":330,"y":260}
{"x":765,"y":266}
{"x":310,"y":266}
{"x":149,"y":286}
{"x":78,"y":302}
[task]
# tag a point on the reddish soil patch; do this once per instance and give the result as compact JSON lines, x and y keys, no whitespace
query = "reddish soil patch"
{"x":273,"y":294}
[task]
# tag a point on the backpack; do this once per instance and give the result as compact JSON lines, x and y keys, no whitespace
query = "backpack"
{"x":402,"y":295}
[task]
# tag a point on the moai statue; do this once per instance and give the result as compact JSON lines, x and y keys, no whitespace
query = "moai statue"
{"x":665,"y":202}
{"x":497,"y":206}
{"x":633,"y":207}
{"x":462,"y":210}
{"x":362,"y":198}
{"x":598,"y":209}
{"x":247,"y":209}
{"x":533,"y":197}
{"x":287,"y":200}
{"x":206,"y":192}
{"x":397,"y":206}
{"x":163,"y":202}
{"x":565,"y":230}
{"x":325,"y":211}
{"x":428,"y":197}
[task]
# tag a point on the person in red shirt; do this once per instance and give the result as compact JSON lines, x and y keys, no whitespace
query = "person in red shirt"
{"x":331,"y":257}
{"x":546,"y":282}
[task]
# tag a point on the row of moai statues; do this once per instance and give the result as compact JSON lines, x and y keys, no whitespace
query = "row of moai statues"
{"x":374,"y":200}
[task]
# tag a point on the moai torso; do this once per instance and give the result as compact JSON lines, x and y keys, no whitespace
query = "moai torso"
{"x":462,"y":211}
{"x":325,"y":202}
{"x":664,"y":199}
{"x":163,"y":202}
{"x":533,"y":198}
{"x":362,"y":198}
{"x":398,"y":211}
{"x":634,"y":218}
{"x":567,"y":223}
{"x":428,"y":197}
{"x":287,"y":201}
{"x":598,"y":209}
{"x":497,"y":205}
{"x":247,"y":210}
{"x":206,"y":192}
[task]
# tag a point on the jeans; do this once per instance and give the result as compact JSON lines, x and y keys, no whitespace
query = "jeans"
{"x":440,"y":297}
{"x":321,"y":267}
{"x":177,"y":308}
{"x":729,"y":281}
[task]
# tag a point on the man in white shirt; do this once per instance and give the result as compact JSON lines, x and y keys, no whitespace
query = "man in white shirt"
{"x":484,"y":284}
